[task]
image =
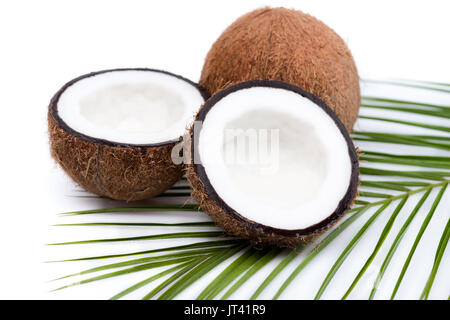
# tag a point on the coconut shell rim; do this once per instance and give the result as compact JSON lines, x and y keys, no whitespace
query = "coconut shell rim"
{"x":344,"y":203}
{"x":53,"y":109}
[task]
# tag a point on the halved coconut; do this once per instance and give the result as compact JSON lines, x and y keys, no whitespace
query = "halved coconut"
{"x":271,"y":163}
{"x":113,"y":131}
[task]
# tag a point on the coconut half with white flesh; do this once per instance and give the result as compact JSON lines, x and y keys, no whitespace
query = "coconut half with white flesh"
{"x":113,"y":131}
{"x":271,"y":163}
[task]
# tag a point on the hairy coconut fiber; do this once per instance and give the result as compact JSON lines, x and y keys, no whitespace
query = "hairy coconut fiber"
{"x":287,"y":45}
{"x":117,"y":172}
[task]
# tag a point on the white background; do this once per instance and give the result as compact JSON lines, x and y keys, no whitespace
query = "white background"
{"x":43,"y":44}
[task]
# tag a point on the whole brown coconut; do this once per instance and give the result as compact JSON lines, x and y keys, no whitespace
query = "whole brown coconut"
{"x":291,"y":46}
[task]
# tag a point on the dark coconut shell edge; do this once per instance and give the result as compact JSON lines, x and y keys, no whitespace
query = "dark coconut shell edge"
{"x":110,"y":169}
{"x":53,"y":108}
{"x":235,"y":224}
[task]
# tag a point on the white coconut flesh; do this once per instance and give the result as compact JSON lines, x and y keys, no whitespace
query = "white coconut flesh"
{"x":130,"y":106}
{"x":290,"y":184}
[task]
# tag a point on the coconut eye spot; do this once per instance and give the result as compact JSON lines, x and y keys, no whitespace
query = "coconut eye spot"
{"x":265,"y":150}
{"x":140,"y":107}
{"x":130,"y":106}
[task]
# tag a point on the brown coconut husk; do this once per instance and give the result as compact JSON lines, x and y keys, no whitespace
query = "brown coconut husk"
{"x":119,"y":173}
{"x":291,"y":46}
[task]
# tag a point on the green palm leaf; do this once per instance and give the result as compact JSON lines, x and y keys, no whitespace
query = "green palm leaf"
{"x":437,"y":260}
{"x":380,"y":242}
{"x":418,"y":237}
{"x":396,"y":243}
{"x":387,"y":180}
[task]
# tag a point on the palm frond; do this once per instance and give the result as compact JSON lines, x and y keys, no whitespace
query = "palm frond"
{"x":185,"y":207}
{"x":389,"y":180}
{"x":175,"y":235}
{"x":418,"y":237}
{"x":418,"y":85}
{"x":269,"y":256}
{"x":380,"y":242}
{"x":396,"y":243}
{"x":437,"y":260}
